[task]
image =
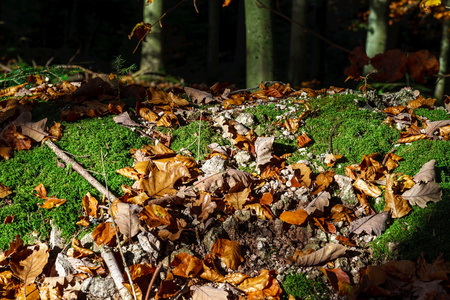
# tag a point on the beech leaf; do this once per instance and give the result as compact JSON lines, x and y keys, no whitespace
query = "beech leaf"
{"x":127,"y":219}
{"x":422,"y":193}
{"x":34,"y":130}
{"x":328,"y":253}
{"x":32,"y":266}
{"x":374,"y":223}
{"x":263,"y":149}
{"x":208,"y":293}
{"x":229,"y":252}
{"x":397,"y":206}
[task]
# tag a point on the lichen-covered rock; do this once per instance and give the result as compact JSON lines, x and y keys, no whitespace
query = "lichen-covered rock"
{"x":246,"y":119}
{"x":100,"y":287}
{"x":214,"y":165}
{"x":346,"y":192}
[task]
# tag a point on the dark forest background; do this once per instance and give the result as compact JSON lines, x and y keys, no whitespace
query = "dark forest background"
{"x":94,"y":32}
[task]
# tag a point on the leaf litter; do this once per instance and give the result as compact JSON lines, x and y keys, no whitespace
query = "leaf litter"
{"x":227,"y":234}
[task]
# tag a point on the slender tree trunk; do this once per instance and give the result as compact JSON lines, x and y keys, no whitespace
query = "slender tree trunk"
{"x":443,"y":62}
{"x":151,"y":53}
{"x":213,"y":39}
{"x":259,"y":43}
{"x":297,"y":50}
{"x":239,"y":51}
{"x":377,"y":31}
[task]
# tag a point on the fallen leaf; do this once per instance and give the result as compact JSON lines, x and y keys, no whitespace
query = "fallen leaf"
{"x":4,"y":191}
{"x":161,"y":183}
{"x":263,"y":150}
{"x":256,"y":283}
{"x":34,"y":130}
{"x":208,"y":293}
{"x":229,"y":252}
{"x":155,"y":215}
{"x":238,"y":200}
{"x":90,"y":205}
{"x":32,"y":266}
{"x":422,"y":193}
{"x":367,"y":188}
{"x":199,"y":96}
{"x":328,"y":253}
{"x":319,"y":203}
{"x":186,"y":265}
{"x":297,"y":217}
{"x":104,"y":234}
{"x":55,"y":131}
{"x":395,"y":204}
{"x":336,"y":276}
{"x":127,"y":219}
{"x":303,"y":140}
{"x":426,"y":173}
{"x":374,"y":223}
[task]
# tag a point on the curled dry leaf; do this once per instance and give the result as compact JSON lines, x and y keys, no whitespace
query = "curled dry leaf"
{"x":374,"y":223}
{"x":77,"y":250}
{"x":199,"y":96}
{"x":328,"y":253}
{"x":148,"y":115}
{"x":336,"y":277}
{"x":261,"y":211}
{"x":229,"y":178}
{"x":104,"y":234}
{"x":302,"y":175}
{"x":395,"y":204}
{"x":155,"y":215}
{"x":256,"y":283}
{"x":55,"y":131}
{"x":367,"y":188}
{"x":303,"y":140}
{"x":128,"y":172}
{"x":90,"y":205}
{"x":229,"y":252}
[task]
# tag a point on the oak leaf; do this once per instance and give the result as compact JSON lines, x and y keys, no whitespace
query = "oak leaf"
{"x":422,"y":193}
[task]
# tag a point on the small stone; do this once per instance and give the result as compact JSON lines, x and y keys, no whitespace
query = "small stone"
{"x":243,"y":215}
{"x":88,"y":242}
{"x":56,"y":241}
{"x":242,"y":157}
{"x":214,"y":165}
{"x":230,"y":225}
{"x":149,"y":243}
{"x":346,"y":192}
{"x":342,"y":263}
{"x":246,"y":119}
{"x":102,"y":287}
{"x":63,"y":266}
{"x":211,"y":236}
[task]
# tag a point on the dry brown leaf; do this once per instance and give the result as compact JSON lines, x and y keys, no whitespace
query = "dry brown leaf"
{"x":395,"y":204}
{"x":32,"y":266}
{"x":141,"y":270}
{"x":34,"y":130}
{"x":127,"y":219}
{"x":229,"y":178}
{"x":292,"y":125}
{"x":374,"y":223}
{"x":235,"y":278}
{"x":238,"y":200}
{"x":263,"y":150}
{"x":55,"y":131}
{"x":421,"y":193}
{"x":129,"y":173}
{"x":229,"y":252}
{"x":208,"y":293}
{"x":433,"y":127}
{"x":331,"y":159}
{"x":412,"y":138}
{"x":303,"y":140}
{"x":207,"y":205}
{"x":4,"y":191}
{"x":261,"y":211}
{"x":318,"y":203}
{"x":323,"y":180}
{"x":90,"y":205}
{"x":336,"y":276}
{"x":6,"y":152}
{"x":77,"y":250}
{"x":161,"y":183}
{"x":367,"y":188}
{"x":426,"y":173}
{"x":15,"y":139}
{"x":328,"y":253}
{"x":302,"y":175}
{"x":199,"y":96}
{"x":297,"y":217}
{"x":155,"y":215}
{"x":137,"y":290}
{"x":148,"y":115}
{"x":104,"y":234}
{"x":342,"y":213}
{"x":256,"y":283}
{"x":186,"y":265}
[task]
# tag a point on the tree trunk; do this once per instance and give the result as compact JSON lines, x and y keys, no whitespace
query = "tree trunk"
{"x":151,"y":53}
{"x":443,"y":62}
{"x":377,"y":30}
{"x":259,"y":43}
{"x":213,"y":39}
{"x":297,"y":50}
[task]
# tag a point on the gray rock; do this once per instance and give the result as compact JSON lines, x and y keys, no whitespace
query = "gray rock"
{"x":169,"y":258}
{"x":346,"y":192}
{"x":214,"y":165}
{"x":246,"y":119}
{"x":211,"y":236}
{"x":243,"y":215}
{"x":134,"y":254}
{"x":342,"y":263}
{"x":230,"y":225}
{"x":63,"y":266}
{"x":101,"y":287}
{"x":56,"y":241}
{"x":149,"y":243}
{"x":88,"y":242}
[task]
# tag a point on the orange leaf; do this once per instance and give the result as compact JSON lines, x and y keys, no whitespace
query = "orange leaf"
{"x":395,"y":204}
{"x":257,"y":283}
{"x":238,"y":200}
{"x":56,"y":131}
{"x":90,"y":205}
{"x":335,"y":276}
{"x":186,"y":265}
{"x":51,"y":202}
{"x":155,"y":215}
{"x":303,"y":140}
{"x":297,"y":217}
{"x":4,"y":191}
{"x":141,"y":270}
{"x":32,"y":266}
{"x":229,"y":252}
{"x":78,"y":251}
{"x":104,"y":234}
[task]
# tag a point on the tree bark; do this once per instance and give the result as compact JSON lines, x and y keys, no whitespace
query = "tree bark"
{"x":213,"y":39}
{"x":151,"y":53}
{"x":377,"y":30}
{"x":259,"y":43}
{"x":297,"y":50}
{"x":443,"y":62}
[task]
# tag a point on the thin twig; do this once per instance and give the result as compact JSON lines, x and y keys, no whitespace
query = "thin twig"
{"x":182,"y":291}
{"x":73,"y":237}
{"x":304,"y":28}
{"x":199,"y":137}
{"x":127,"y":270}
{"x":158,"y":268}
{"x":330,"y":148}
{"x":387,"y":155}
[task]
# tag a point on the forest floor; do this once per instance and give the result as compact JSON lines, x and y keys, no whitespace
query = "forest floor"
{"x":218,"y":193}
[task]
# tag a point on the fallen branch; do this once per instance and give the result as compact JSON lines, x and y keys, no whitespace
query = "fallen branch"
{"x":105,"y":251}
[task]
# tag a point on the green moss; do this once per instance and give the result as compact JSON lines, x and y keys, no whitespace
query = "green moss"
{"x":187,"y":137}
{"x":432,"y":114}
{"x":265,"y":113}
{"x":27,"y":169}
{"x":301,"y":287}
